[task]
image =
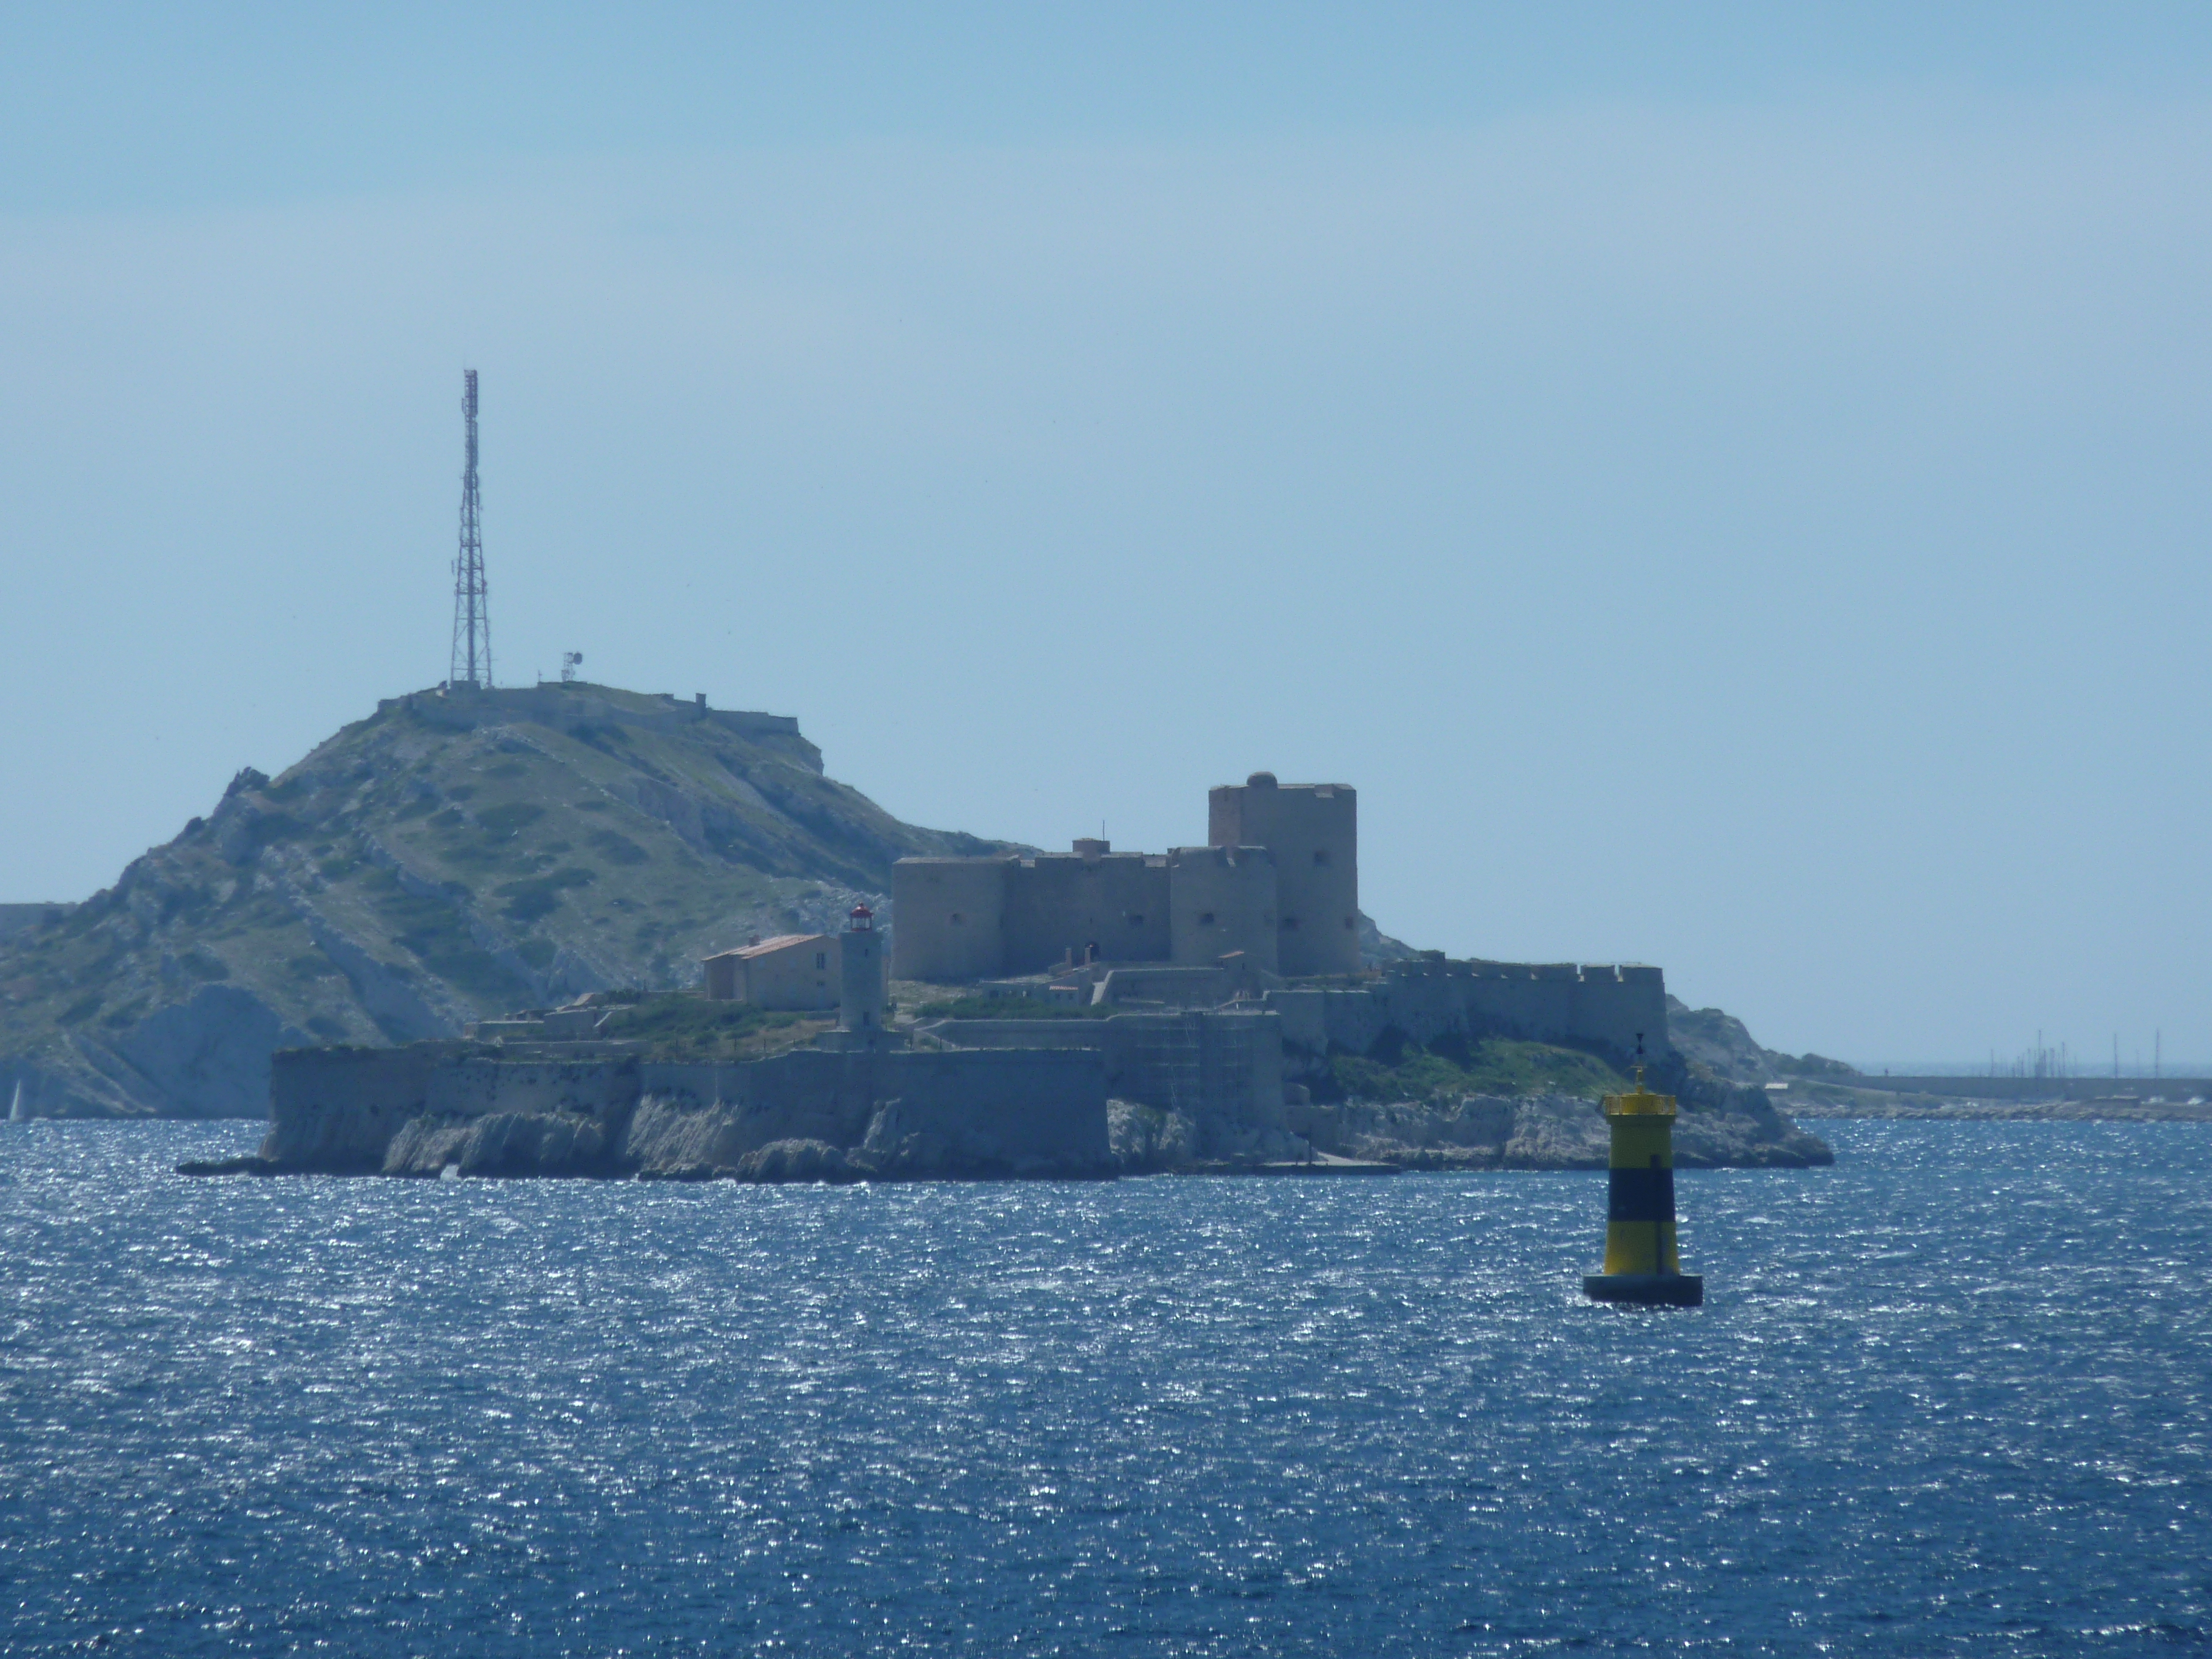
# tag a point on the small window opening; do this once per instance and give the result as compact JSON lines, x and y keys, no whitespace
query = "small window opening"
{"x":1290,"y":924}
{"x":821,"y":959}
{"x":1321,"y":855}
{"x":956,"y":918}
{"x":1206,"y":919}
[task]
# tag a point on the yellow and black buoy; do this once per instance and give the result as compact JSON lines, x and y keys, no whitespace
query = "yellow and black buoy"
{"x":1642,"y":1263}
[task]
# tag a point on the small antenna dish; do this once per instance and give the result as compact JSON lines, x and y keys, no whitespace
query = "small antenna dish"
{"x":571,"y":661}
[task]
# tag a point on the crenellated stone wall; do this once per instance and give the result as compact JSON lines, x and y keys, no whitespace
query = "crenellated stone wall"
{"x":1596,"y":1005}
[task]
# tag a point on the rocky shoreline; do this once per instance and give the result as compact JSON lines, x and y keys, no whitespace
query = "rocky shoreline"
{"x":668,"y":1138}
{"x":1742,"y":1130}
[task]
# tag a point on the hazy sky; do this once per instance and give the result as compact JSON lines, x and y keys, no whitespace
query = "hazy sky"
{"x":1726,"y":482}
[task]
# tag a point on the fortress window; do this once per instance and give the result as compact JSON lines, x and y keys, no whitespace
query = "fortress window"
{"x":1321,"y":855}
{"x":1206,"y":919}
{"x":1351,"y":924}
{"x":821,"y":959}
{"x":1135,"y":921}
{"x":956,"y":918}
{"x":1290,"y":924}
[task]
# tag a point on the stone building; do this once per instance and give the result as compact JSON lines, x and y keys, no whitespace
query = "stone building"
{"x":1278,"y":882}
{"x":800,"y":971}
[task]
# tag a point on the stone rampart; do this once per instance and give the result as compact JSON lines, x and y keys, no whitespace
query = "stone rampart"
{"x":603,"y":1090}
{"x":1221,"y":1069}
{"x":335,"y":1110}
{"x":1599,"y":1005}
{"x":1038,"y":1113}
{"x":887,"y":1112}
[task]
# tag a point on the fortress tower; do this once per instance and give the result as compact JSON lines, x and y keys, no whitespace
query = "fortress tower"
{"x":1313,"y":831}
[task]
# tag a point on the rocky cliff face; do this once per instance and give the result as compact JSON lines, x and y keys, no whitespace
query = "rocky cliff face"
{"x":445,"y":859}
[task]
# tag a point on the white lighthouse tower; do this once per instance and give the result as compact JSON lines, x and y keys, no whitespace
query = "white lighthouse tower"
{"x":861,"y":1006}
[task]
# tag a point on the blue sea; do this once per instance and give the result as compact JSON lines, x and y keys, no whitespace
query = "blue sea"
{"x":1951,"y":1396}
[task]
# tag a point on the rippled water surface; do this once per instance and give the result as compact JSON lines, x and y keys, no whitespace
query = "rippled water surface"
{"x":1954,"y":1395}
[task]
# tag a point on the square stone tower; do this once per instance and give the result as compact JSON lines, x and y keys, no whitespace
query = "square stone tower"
{"x":1313,"y":831}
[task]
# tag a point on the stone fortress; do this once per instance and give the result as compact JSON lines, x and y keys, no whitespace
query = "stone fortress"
{"x":1278,"y":883}
{"x":1232,"y":971}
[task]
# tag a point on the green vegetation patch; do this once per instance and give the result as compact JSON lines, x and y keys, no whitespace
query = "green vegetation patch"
{"x":685,"y":1026}
{"x":1014,"y":1008}
{"x":618,"y":847}
{"x":526,"y":901}
{"x":440,"y":940}
{"x":1453,"y":1066}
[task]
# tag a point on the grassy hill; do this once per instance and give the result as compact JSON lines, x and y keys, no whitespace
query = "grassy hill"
{"x":447,"y":857}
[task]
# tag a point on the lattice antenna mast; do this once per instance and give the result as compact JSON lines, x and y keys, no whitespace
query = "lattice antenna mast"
{"x":471,"y":663}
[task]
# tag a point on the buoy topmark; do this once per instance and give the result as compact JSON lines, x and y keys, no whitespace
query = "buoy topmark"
{"x":1642,"y":1263}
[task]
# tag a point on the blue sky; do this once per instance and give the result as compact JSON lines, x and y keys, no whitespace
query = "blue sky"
{"x":1725,"y":482}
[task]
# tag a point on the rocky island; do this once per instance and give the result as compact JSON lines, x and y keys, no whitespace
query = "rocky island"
{"x":595,"y":857}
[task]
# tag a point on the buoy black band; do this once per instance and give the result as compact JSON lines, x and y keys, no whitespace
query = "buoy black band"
{"x":1641,"y":1195}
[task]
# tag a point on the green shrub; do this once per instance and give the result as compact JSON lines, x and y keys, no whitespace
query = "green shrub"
{"x":685,"y":1026}
{"x":1397,"y":1068}
{"x":526,"y":902}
